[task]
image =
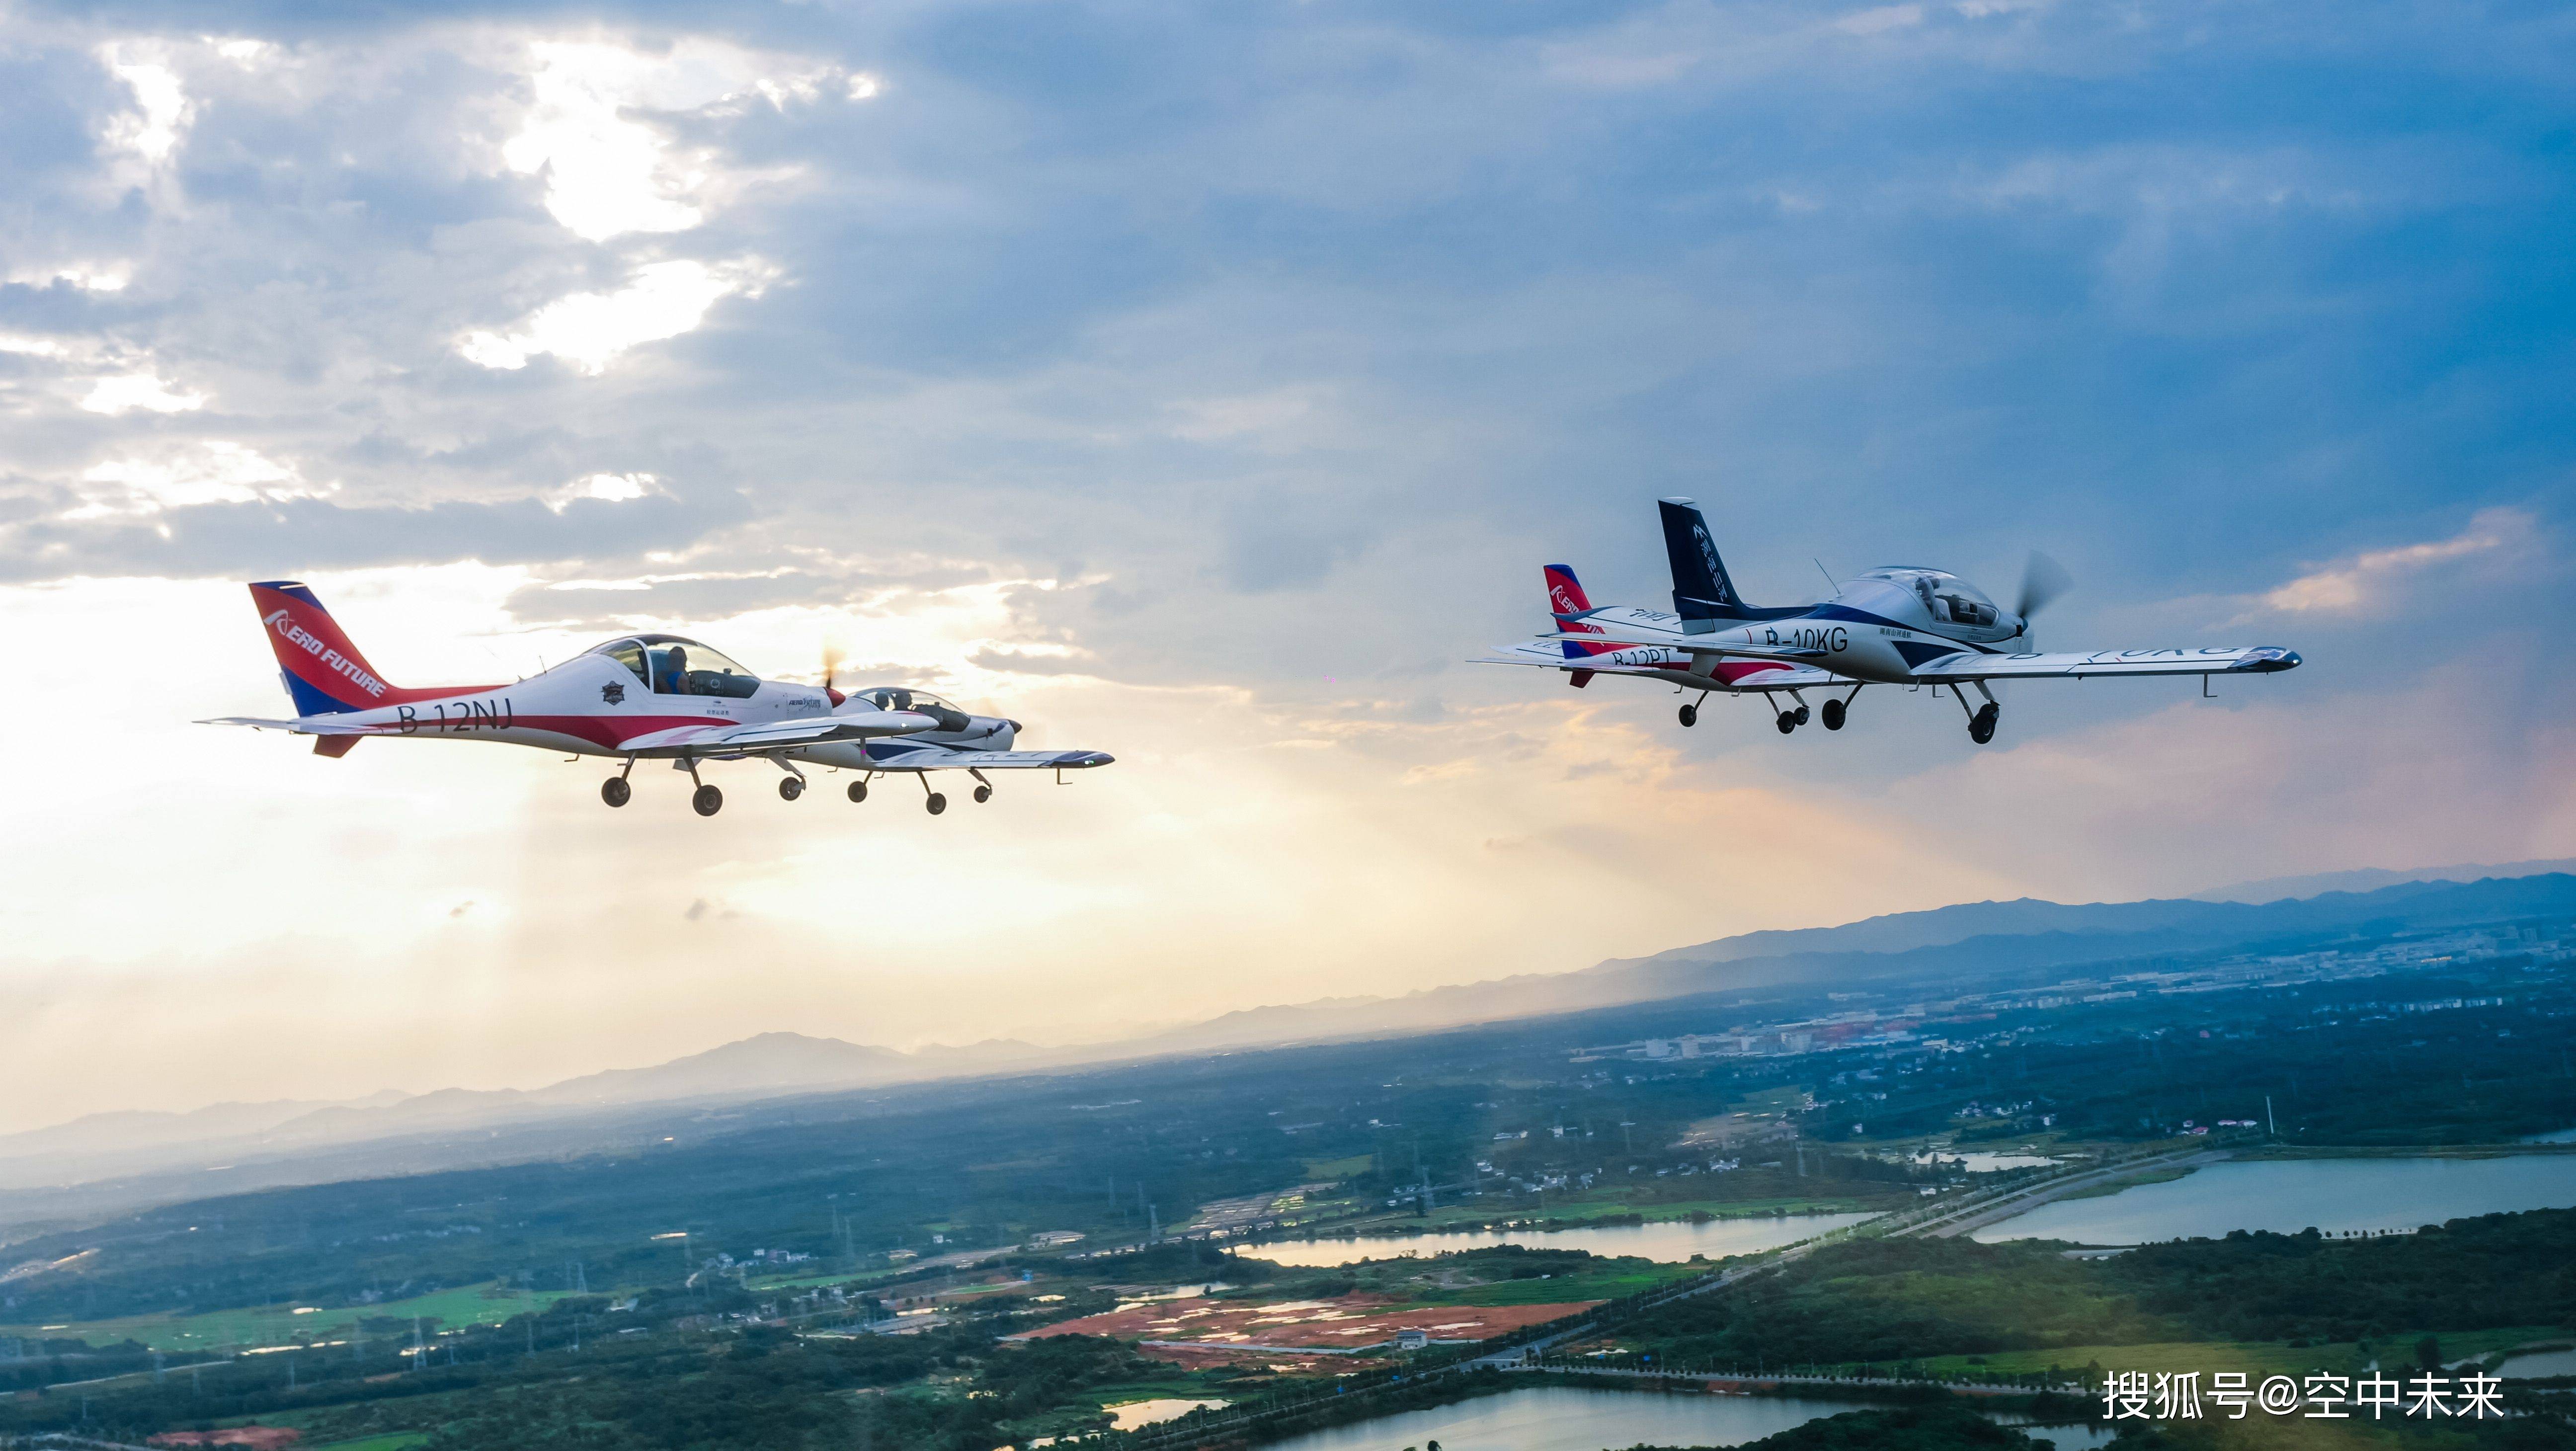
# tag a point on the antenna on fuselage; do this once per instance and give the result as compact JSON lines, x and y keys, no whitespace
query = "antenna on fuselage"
{"x":1827,"y":573}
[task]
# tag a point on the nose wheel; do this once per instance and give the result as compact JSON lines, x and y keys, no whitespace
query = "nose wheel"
{"x":983,"y":794}
{"x":706,"y":800}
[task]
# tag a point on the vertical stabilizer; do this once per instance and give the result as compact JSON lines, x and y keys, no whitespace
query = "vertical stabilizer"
{"x":1701,"y":590}
{"x":1567,"y":604}
{"x":324,"y":673}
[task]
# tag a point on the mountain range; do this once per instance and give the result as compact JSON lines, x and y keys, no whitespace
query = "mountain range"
{"x":110,"y":1159}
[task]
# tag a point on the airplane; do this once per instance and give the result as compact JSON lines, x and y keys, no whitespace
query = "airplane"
{"x":1905,"y":625}
{"x":641,"y":697}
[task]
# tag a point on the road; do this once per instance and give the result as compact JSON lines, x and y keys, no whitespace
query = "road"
{"x":2005,"y":1204}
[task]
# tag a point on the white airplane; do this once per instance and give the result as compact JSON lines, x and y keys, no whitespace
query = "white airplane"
{"x":640,"y":697}
{"x":1895,"y":625}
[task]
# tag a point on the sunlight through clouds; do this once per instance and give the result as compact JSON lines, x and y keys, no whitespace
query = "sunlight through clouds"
{"x":589,"y":330}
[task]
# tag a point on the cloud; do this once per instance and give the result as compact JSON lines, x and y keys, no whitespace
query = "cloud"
{"x":609,"y":169}
{"x":150,"y":132}
{"x":139,"y":390}
{"x":590,"y":330}
{"x":217,"y":472}
{"x":2380,"y":582}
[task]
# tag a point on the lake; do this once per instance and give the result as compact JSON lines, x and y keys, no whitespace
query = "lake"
{"x":2288,"y":1195}
{"x":1565,"y":1418}
{"x":1672,"y":1241}
{"x":2540,"y":1363}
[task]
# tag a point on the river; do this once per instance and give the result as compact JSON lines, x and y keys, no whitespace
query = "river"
{"x":1670,"y":1240}
{"x":1569,"y":1418}
{"x":2288,"y":1195}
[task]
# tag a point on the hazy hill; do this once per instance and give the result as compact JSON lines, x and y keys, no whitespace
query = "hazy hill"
{"x":2273,"y":889}
{"x":133,"y":1158}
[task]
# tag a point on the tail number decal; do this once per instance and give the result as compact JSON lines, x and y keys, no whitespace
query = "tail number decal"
{"x":464,"y":715}
{"x":1833,"y":640}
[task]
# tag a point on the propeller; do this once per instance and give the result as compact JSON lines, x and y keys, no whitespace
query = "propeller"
{"x":833,"y":660}
{"x":2042,"y":580}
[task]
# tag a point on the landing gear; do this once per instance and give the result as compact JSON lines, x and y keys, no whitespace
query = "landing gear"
{"x":1981,"y":721}
{"x":1801,"y":713}
{"x":790,"y":787}
{"x":707,"y":800}
{"x":1833,"y":714}
{"x":1690,"y":715}
{"x":858,"y":791}
{"x":935,"y":803}
{"x":615,"y":791}
{"x":983,"y":788}
{"x":1787,"y":722}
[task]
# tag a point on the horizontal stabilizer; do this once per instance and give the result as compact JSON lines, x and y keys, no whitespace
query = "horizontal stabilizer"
{"x":302,"y":726}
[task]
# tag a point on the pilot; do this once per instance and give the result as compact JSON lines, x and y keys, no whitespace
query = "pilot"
{"x":675,"y":671}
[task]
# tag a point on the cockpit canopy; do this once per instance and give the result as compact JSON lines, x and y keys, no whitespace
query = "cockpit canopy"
{"x":1949,"y":599}
{"x":904,"y":697}
{"x":673,"y":665}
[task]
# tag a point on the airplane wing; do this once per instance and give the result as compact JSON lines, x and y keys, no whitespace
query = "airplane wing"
{"x":929,"y":756}
{"x":780,"y":735}
{"x":308,"y":726}
{"x":1779,"y":676}
{"x":2208,"y":660}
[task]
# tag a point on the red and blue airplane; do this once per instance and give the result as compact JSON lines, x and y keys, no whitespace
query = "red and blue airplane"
{"x":640,"y":698}
{"x":1895,"y":625}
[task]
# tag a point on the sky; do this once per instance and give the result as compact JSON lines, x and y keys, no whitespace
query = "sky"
{"x":1205,"y":384}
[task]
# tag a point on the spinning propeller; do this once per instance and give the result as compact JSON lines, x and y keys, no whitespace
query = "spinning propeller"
{"x":2042,"y":580}
{"x":833,"y":660}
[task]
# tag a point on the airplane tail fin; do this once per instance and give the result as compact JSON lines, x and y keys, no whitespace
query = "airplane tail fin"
{"x":1701,"y":590}
{"x":324,"y":673}
{"x":1567,"y":602}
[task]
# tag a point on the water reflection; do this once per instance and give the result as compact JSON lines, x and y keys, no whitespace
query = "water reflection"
{"x":2288,"y":1195}
{"x":1671,"y":1241}
{"x":1567,"y":1418}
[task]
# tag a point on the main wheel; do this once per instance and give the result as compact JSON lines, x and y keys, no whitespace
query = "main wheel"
{"x":935,"y":803}
{"x":1833,"y":715}
{"x":1787,"y":722}
{"x":1981,"y":726}
{"x":983,"y":794}
{"x":615,"y":791}
{"x":858,"y":790}
{"x":1801,"y":714}
{"x":708,"y":800}
{"x":1690,"y":715}
{"x":789,"y":788}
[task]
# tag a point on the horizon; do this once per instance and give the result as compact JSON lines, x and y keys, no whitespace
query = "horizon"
{"x":1073,"y":1060}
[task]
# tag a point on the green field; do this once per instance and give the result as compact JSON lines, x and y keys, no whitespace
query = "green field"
{"x":391,"y":1441}
{"x":2257,"y":1358}
{"x":253,"y":1326}
{"x":1559,"y":1289}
